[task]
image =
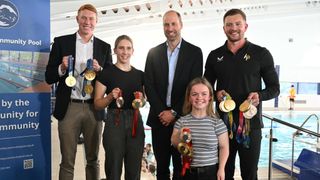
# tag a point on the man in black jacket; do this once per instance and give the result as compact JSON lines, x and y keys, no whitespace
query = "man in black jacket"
{"x":169,"y":68}
{"x":74,"y":95}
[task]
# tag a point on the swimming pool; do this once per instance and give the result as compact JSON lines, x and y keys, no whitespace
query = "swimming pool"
{"x":282,"y":149}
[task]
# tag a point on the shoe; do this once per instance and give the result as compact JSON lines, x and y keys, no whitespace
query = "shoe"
{"x":80,"y":140}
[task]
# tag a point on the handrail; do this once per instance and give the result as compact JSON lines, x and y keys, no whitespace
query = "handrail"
{"x":271,"y":136}
{"x":291,"y":125}
{"x":295,"y":134}
{"x":305,"y":121}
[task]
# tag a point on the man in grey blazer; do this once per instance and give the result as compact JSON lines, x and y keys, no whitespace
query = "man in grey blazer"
{"x":169,"y":68}
{"x":74,"y":103}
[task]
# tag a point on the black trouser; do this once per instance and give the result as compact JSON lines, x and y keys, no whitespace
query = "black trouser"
{"x":249,"y":157}
{"x":120,"y":147}
{"x":201,"y":173}
{"x":163,"y":151}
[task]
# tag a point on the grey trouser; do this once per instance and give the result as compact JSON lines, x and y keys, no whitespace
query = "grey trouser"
{"x":80,"y":118}
{"x":120,"y":147}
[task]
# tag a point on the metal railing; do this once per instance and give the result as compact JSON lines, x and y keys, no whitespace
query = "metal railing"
{"x":298,"y":128}
{"x":297,"y":133}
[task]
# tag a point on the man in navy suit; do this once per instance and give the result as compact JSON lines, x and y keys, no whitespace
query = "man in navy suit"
{"x":169,"y":68}
{"x":74,"y":107}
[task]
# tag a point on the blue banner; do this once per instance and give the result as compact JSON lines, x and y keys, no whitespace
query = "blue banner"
{"x":24,"y":45}
{"x":25,"y":125}
{"x":25,"y":25}
{"x":25,"y":136}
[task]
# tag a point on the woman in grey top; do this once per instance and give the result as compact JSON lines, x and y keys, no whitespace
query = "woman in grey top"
{"x":208,"y":134}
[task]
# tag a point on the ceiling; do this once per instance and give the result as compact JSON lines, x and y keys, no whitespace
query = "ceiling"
{"x":122,"y":14}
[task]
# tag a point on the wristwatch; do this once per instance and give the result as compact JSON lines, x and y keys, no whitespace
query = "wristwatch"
{"x":174,"y":113}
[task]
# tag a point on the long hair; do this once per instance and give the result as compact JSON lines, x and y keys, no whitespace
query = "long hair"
{"x":187,"y":107}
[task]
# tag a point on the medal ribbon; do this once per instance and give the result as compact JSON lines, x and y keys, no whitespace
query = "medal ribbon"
{"x":88,"y":67}
{"x":85,"y":81}
{"x":135,"y":116}
{"x":70,"y":65}
{"x":117,"y":119}
{"x":240,"y":128}
{"x":246,"y":131}
{"x":186,"y":160}
{"x":230,"y":118}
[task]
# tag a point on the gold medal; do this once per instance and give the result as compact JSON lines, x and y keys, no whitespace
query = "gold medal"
{"x":184,"y":149}
{"x":70,"y":81}
{"x":229,"y":105}
{"x":221,"y":106}
{"x":250,"y":113}
{"x":90,"y":75}
{"x":137,"y":103}
{"x":245,"y":106}
{"x":88,"y":88}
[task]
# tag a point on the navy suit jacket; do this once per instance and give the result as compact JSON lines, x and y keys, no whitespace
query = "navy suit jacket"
{"x":64,"y":46}
{"x":189,"y":66}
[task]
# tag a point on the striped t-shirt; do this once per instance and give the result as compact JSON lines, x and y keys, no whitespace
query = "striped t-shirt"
{"x":204,"y":135}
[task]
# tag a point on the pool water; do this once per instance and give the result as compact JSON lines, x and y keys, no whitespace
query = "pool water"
{"x":282,"y":149}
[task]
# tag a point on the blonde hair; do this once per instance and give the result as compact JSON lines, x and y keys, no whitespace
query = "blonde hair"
{"x":187,"y":107}
{"x":89,"y":7}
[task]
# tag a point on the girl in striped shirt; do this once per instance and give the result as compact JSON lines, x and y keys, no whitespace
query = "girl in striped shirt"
{"x":208,"y":134}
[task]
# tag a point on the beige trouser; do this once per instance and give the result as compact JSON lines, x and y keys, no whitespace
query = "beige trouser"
{"x":80,"y":118}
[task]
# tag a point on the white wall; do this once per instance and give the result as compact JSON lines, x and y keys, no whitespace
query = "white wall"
{"x":299,"y":59}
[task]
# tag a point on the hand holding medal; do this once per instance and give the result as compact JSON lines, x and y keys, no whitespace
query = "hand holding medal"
{"x":227,"y":104}
{"x":185,"y":148}
{"x":248,"y":109}
{"x":119,"y":100}
{"x":139,"y":100}
{"x":89,"y":75}
{"x":70,"y":80}
{"x":137,"y":103}
{"x":247,"y":112}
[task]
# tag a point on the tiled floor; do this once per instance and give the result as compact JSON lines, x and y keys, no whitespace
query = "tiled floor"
{"x":80,"y":163}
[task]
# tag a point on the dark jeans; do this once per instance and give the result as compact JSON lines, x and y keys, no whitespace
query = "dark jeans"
{"x":249,"y":157}
{"x":202,"y":173}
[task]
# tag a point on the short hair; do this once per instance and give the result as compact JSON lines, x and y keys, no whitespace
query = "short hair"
{"x":89,"y":7}
{"x":120,"y":38}
{"x":176,"y":12}
{"x":232,"y":12}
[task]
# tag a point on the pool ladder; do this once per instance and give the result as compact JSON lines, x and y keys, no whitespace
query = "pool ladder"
{"x":297,"y":133}
{"x":272,"y":139}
